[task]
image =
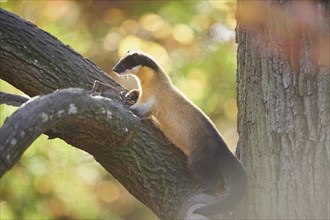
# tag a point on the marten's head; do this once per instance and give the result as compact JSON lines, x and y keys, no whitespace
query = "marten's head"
{"x":132,"y":62}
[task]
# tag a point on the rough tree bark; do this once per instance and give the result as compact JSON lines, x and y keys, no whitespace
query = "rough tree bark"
{"x":133,"y":151}
{"x":283,"y":86}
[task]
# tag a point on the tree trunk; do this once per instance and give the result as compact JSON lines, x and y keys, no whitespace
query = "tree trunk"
{"x":283,"y":86}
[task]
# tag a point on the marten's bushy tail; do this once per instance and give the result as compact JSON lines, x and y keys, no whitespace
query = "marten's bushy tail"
{"x":215,"y":166}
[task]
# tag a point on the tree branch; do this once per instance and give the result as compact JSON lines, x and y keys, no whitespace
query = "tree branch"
{"x":9,"y":99}
{"x":134,"y":152}
{"x":37,"y":63}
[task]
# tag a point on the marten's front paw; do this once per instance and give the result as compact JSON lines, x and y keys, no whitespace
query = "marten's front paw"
{"x":132,"y":95}
{"x":142,"y":110}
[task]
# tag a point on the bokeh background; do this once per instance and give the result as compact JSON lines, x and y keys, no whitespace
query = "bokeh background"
{"x":195,"y":43}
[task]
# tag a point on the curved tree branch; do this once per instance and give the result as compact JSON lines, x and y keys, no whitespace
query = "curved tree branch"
{"x":134,"y":152}
{"x":9,"y":99}
{"x":118,"y":138}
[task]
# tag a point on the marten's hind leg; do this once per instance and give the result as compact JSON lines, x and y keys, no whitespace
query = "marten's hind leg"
{"x":204,"y":167}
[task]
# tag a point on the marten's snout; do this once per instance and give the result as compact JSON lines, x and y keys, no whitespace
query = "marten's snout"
{"x":119,"y":68}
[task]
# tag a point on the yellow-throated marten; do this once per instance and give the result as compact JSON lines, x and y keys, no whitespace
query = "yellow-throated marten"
{"x":184,"y":124}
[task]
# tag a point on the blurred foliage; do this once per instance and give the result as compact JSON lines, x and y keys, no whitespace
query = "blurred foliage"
{"x":192,"y":40}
